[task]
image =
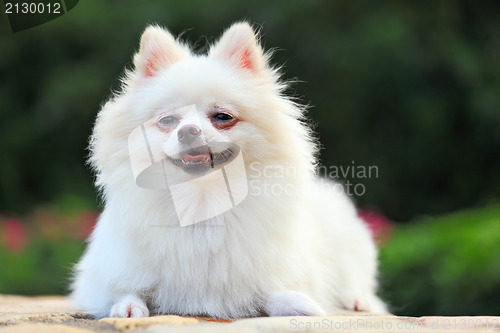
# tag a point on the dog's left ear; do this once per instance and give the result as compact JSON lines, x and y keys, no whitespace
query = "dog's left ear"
{"x":158,"y":51}
{"x":239,"y":47}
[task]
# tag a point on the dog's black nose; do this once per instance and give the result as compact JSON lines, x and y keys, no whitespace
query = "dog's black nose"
{"x":188,"y":133}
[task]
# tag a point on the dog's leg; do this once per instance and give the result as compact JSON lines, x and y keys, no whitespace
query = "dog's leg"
{"x":370,"y":303}
{"x":291,"y":303}
{"x":130,"y":306}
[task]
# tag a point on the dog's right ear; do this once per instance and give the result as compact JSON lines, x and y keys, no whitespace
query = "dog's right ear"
{"x":158,"y":51}
{"x":238,"y":46}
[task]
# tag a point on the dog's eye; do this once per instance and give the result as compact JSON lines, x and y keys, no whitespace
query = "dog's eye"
{"x":222,"y":117}
{"x":167,"y":121}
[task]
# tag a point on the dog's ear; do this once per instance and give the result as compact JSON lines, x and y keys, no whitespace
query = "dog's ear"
{"x":239,"y":47}
{"x":158,"y":50}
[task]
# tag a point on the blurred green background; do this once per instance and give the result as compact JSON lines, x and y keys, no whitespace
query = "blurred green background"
{"x":410,"y":87}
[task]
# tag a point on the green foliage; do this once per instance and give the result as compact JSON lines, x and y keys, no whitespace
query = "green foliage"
{"x":43,"y":268}
{"x":37,"y":254}
{"x":411,"y":87}
{"x":444,"y":266}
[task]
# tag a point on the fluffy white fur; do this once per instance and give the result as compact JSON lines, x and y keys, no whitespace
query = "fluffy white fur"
{"x":304,"y":252}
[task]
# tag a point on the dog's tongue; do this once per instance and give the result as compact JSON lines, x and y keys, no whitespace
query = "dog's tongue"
{"x":196,"y":158}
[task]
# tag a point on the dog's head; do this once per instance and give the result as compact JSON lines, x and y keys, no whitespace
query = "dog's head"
{"x":201,"y":105}
{"x":204,"y":109}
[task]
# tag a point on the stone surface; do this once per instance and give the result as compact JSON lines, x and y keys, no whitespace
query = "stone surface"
{"x":43,"y":328}
{"x":46,"y":309}
{"x":201,"y":328}
{"x":35,"y":304}
{"x":132,"y":323}
{"x":54,"y":314}
{"x":47,"y":317}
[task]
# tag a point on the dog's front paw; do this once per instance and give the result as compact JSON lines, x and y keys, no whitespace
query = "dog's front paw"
{"x":370,"y":303}
{"x":292,"y":303}
{"x":129,"y":307}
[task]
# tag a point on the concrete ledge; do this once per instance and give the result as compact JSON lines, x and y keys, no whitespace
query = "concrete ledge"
{"x":53,"y":314}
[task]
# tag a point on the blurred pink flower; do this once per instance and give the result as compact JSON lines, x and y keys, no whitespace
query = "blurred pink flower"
{"x":13,"y":234}
{"x":378,"y":224}
{"x":47,"y":223}
{"x":86,"y":223}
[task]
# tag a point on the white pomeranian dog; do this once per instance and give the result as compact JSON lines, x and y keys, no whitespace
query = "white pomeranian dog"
{"x":285,"y":243}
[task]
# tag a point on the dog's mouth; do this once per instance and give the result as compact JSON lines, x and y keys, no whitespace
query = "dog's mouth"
{"x":202,"y":159}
